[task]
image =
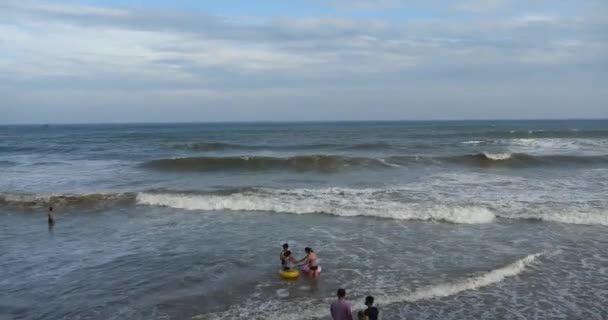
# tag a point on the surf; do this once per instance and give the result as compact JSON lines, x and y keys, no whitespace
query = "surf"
{"x":322,"y":163}
{"x":336,"y":202}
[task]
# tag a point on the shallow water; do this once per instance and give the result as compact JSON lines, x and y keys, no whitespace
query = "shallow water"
{"x":413,"y":213}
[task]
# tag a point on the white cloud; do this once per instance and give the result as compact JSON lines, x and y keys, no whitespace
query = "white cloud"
{"x":482,"y":6}
{"x":50,"y":55}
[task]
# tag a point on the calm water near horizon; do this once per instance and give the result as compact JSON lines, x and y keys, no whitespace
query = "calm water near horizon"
{"x":437,"y":219}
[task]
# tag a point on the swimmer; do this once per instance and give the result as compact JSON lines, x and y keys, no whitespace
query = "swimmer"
{"x":50,"y":216}
{"x":282,"y":254}
{"x":289,"y":261}
{"x":310,"y":261}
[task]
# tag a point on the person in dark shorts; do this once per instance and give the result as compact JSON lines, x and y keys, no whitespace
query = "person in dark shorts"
{"x":51,"y":216}
{"x":310,"y":261}
{"x":282,"y":255}
{"x":288,"y":261}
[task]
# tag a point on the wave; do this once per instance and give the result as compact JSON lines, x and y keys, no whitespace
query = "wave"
{"x":474,"y":142}
{"x":223,"y":146}
{"x":67,"y":201}
{"x":584,"y":218}
{"x":334,"y":163}
{"x":206,"y":146}
{"x":368,"y":146}
{"x":485,"y":159}
{"x":324,"y":163}
{"x":497,"y":156}
{"x":387,"y":203}
{"x":335,"y":201}
{"x":472,"y":283}
{"x":315,"y":309}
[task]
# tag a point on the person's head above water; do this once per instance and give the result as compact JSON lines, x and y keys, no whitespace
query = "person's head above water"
{"x":369,"y":300}
{"x":287,"y":253}
{"x":308,"y":250}
{"x":50,"y":208}
{"x":341,"y":293}
{"x":285,"y":246}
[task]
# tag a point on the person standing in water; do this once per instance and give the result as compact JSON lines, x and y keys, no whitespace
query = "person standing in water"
{"x":371,"y":313}
{"x":282,"y":254}
{"x":310,"y":261}
{"x":51,"y":217}
{"x":288,"y":261}
{"x":340,"y":309}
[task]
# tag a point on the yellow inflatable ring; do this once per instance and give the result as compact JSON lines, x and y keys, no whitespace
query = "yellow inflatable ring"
{"x":289,"y":274}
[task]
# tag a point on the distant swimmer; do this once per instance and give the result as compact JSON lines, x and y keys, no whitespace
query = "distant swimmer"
{"x":51,"y":216}
{"x":310,"y":263}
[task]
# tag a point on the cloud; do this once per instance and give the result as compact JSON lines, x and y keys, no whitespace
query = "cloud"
{"x":482,"y":6}
{"x":59,"y":56}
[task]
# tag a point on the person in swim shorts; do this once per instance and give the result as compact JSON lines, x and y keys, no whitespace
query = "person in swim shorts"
{"x":310,"y":260}
{"x":282,"y":254}
{"x":50,"y":217}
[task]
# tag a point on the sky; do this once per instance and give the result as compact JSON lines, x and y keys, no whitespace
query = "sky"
{"x":99,"y":61}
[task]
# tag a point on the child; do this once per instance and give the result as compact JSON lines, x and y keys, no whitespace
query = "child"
{"x":282,"y":255}
{"x":289,"y":261}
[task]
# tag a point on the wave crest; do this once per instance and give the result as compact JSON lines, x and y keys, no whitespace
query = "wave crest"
{"x":338,"y":202}
{"x":476,"y":282}
{"x":324,"y":163}
{"x":81,"y":201}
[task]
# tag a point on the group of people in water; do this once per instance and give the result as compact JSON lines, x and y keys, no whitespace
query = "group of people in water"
{"x":309,"y":263}
{"x":340,"y":309}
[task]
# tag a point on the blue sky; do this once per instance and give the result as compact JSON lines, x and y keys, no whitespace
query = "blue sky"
{"x":269,"y":60}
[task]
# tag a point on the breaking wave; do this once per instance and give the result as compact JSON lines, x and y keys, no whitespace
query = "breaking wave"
{"x":586,"y":218}
{"x":472,"y":283}
{"x":338,"y":202}
{"x":80,"y":201}
{"x":384,"y":203}
{"x":517,"y":160}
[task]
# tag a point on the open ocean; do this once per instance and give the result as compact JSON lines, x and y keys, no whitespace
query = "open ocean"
{"x":437,"y":220}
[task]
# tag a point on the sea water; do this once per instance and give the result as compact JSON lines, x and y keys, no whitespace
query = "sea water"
{"x":437,"y":220}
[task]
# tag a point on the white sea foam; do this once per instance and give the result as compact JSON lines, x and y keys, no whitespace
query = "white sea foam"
{"x":544,"y":146}
{"x":309,"y":309}
{"x":334,"y":201}
{"x":473,"y":142}
{"x":584,"y":217}
{"x":389,"y":164}
{"x":497,"y":156}
{"x":472,"y":283}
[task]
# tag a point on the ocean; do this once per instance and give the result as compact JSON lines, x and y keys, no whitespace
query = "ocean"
{"x":436,"y":219}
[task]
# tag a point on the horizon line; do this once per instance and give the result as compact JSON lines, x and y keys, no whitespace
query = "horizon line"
{"x":293,"y":121}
